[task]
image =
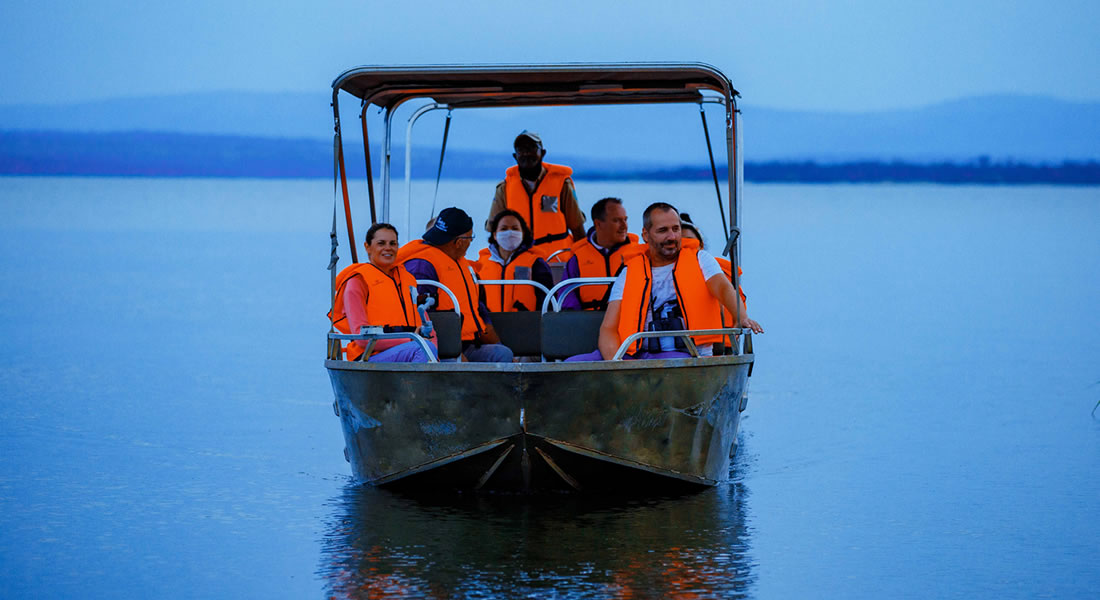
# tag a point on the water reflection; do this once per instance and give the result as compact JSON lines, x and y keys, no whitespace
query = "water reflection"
{"x":381,"y":544}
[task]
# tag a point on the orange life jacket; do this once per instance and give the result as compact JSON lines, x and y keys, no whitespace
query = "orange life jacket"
{"x":389,"y":301}
{"x":458,"y":278}
{"x":503,"y":298}
{"x":592,"y":263}
{"x":700,"y":309}
{"x":549,"y":227}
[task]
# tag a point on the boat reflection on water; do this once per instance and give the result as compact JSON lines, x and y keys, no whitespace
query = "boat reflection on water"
{"x":380,"y":543}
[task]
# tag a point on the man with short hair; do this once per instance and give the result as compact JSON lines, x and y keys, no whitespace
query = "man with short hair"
{"x":670,"y":286}
{"x":441,"y":256}
{"x":542,"y":193}
{"x":599,"y":254}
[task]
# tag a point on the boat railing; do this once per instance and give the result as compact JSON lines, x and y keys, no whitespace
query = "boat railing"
{"x":529,"y":282}
{"x":454,"y":299}
{"x":557,"y":252}
{"x":558,"y":293}
{"x":684,"y":334}
{"x":371,"y":335}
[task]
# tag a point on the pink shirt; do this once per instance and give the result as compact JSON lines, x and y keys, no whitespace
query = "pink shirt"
{"x":355,"y":307}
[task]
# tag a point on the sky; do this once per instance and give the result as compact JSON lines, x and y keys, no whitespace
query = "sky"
{"x":838,"y":55}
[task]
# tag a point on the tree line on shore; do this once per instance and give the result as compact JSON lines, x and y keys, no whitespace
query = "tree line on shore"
{"x":185,"y":155}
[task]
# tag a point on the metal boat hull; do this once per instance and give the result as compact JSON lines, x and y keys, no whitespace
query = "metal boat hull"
{"x":651,"y":424}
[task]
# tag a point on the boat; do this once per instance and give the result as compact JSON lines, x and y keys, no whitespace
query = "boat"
{"x":545,"y":425}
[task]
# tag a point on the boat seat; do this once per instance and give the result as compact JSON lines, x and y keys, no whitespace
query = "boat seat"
{"x":448,"y":331}
{"x":520,"y":331}
{"x":567,"y":333}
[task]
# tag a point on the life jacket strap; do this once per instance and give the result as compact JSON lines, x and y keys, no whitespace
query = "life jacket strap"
{"x":553,"y":237}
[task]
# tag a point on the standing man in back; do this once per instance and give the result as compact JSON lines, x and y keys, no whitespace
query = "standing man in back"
{"x":542,"y":193}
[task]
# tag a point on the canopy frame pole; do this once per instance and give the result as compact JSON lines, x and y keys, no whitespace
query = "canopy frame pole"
{"x":386,"y":164}
{"x":408,"y":162}
{"x":338,"y":142}
{"x":366,"y":157}
{"x":442,"y":153}
{"x":734,"y":166}
{"x":714,"y":170}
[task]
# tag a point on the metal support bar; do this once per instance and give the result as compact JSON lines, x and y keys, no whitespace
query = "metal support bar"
{"x":529,"y":282}
{"x":386,"y":155}
{"x":680,"y":333}
{"x":408,"y":162}
{"x":568,"y":285}
{"x":454,"y":299}
{"x":373,"y":337}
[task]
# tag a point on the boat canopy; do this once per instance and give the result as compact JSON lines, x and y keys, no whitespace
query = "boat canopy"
{"x":476,"y":86}
{"x":467,"y":86}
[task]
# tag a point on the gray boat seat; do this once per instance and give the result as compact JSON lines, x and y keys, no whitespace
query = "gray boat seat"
{"x":520,"y":331}
{"x":557,"y":269}
{"x":565,"y":334}
{"x":448,"y":331}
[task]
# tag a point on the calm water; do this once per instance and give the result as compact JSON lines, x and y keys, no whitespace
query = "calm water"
{"x":918,"y":426}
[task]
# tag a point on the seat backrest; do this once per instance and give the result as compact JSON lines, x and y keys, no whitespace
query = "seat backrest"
{"x":557,"y":269}
{"x":565,"y":334}
{"x":448,"y":331}
{"x":520,"y":331}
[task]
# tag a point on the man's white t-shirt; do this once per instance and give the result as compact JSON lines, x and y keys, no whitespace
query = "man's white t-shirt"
{"x":664,"y":293}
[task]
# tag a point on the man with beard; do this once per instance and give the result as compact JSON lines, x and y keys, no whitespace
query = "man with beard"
{"x":672,"y":285}
{"x":542,"y":193}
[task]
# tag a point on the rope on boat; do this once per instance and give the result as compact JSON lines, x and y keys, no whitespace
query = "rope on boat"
{"x":370,"y":174}
{"x":714,"y":173}
{"x":338,"y":142}
{"x":334,"y":258}
{"x":442,"y":151}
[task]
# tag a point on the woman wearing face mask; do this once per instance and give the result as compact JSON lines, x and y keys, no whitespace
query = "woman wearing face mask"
{"x":510,"y":256}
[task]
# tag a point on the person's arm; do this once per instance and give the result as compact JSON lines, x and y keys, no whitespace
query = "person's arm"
{"x":574,"y":217}
{"x":422,"y":269}
{"x":500,"y":202}
{"x":489,"y":334}
{"x":722,"y":289}
{"x":609,"y":330}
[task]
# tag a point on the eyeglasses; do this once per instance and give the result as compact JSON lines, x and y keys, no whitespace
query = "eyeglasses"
{"x":465,"y":237}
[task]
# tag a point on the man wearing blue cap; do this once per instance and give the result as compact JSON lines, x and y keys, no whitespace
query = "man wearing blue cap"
{"x":441,"y":256}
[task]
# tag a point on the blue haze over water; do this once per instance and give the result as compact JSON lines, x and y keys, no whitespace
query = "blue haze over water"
{"x":918,"y":425}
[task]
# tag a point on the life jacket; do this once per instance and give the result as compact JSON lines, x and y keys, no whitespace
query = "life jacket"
{"x":549,"y":227}
{"x":592,"y":263}
{"x":456,"y":275}
{"x":389,"y":301}
{"x":504,"y":298}
{"x":700,"y":309}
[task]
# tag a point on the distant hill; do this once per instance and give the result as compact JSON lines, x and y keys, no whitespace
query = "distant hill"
{"x":199,"y":155}
{"x":1021,"y":128}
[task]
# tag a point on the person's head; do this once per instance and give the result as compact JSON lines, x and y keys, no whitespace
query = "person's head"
{"x":688,"y":229}
{"x":661,"y":231}
{"x":528,"y":152}
{"x":381,"y":245}
{"x":452,"y":232}
{"x":509,"y":231}
{"x":609,"y":219}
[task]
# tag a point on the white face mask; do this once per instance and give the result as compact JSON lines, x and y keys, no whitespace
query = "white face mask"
{"x":509,"y":239}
